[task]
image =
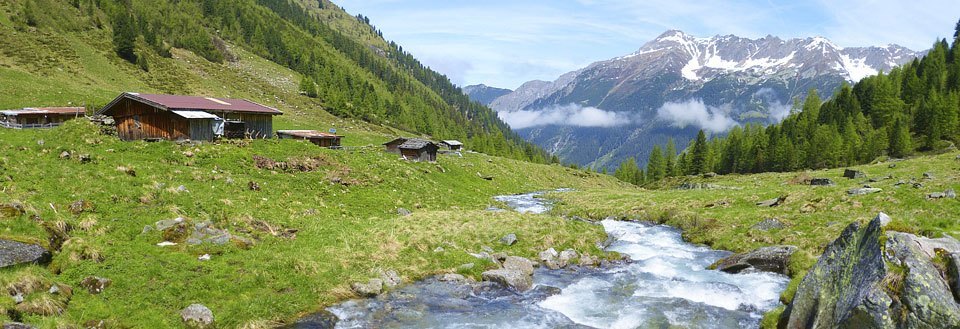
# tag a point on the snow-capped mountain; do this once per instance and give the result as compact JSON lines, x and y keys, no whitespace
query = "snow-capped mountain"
{"x":745,"y":80}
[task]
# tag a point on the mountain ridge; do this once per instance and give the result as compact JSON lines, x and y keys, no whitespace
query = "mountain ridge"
{"x":728,"y":78}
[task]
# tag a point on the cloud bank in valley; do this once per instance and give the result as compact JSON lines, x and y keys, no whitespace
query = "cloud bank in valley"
{"x":695,"y":113}
{"x":566,"y":115}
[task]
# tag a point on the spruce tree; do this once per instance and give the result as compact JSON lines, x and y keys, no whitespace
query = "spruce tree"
{"x":670,"y":153}
{"x":699,"y":159}
{"x":308,"y":87}
{"x":656,"y":165}
{"x":125,"y":35}
{"x":900,"y":140}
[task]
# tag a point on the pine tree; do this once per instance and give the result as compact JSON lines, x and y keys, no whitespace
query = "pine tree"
{"x":125,"y":34}
{"x":629,"y":172}
{"x":699,"y":160}
{"x":308,"y":87}
{"x":670,"y":153}
{"x":900,"y":140}
{"x":656,"y":165}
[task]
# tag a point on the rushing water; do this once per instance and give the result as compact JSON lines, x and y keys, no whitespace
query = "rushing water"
{"x":665,"y":285}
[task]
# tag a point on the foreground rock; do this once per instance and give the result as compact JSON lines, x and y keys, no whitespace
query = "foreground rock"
{"x":864,"y":191}
{"x":822,"y":182}
{"x":197,"y":316}
{"x":320,"y":320}
{"x":853,"y":174}
{"x":370,"y":289}
{"x":13,"y":253}
{"x":515,"y":279}
{"x":854,"y":286}
{"x":775,"y":259}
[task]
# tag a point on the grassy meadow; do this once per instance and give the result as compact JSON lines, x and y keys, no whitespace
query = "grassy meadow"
{"x":343,"y":208}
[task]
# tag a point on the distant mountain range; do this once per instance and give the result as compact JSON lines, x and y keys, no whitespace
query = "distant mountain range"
{"x":675,"y":85}
{"x":485,"y":94}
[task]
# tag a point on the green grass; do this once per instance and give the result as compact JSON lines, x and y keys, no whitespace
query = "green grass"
{"x":344,"y":232}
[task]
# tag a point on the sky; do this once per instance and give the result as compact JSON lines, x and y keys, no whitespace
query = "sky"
{"x":504,"y":43}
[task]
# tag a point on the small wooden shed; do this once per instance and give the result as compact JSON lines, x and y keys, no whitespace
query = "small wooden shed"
{"x":451,"y":144}
{"x":176,"y":117}
{"x":394,"y":145}
{"x":39,"y":117}
{"x":321,"y":139}
{"x":419,"y":150}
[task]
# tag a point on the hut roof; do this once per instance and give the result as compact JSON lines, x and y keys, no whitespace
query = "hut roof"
{"x":46,"y":110}
{"x":195,"y":115}
{"x":195,"y":103}
{"x":398,"y":140}
{"x":416,"y":144}
{"x":308,"y":134}
{"x":452,"y":142}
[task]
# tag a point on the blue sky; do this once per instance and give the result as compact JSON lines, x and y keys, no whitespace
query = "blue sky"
{"x":505,"y":43}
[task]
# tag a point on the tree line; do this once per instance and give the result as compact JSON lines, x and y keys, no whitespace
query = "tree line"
{"x":913,"y":108}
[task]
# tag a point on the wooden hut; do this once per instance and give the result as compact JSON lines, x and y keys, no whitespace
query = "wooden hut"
{"x":452,"y":144}
{"x":321,"y":139}
{"x":175,"y":117}
{"x":39,"y":117}
{"x":394,"y":145}
{"x":419,"y":150}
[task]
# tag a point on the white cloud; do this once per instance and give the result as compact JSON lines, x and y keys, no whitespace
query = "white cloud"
{"x":566,"y":115}
{"x":695,"y":113}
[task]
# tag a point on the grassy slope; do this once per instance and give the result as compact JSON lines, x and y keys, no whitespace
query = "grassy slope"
{"x":53,"y":69}
{"x":814,"y":216}
{"x":345,"y":232}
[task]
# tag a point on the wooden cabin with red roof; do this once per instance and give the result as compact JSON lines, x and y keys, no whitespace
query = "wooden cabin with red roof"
{"x":175,"y":117}
{"x":39,"y":117}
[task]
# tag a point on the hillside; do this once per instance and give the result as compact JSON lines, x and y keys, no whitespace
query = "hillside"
{"x":485,"y":94}
{"x":676,"y":84}
{"x":87,"y":52}
{"x":299,"y":234}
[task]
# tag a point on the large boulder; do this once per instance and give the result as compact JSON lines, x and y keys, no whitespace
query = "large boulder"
{"x":197,"y":316}
{"x":372,"y":288}
{"x":521,"y":264}
{"x":774,"y":259}
{"x":515,"y":279}
{"x":855,"y":284}
{"x":13,"y":253}
{"x":853,"y":174}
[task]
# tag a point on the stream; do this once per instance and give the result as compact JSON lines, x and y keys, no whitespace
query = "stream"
{"x":666,"y":284}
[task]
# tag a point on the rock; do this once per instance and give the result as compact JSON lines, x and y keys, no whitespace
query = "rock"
{"x":549,"y":258}
{"x":588,"y":260}
{"x":567,"y":257}
{"x":253,"y":186}
{"x":710,"y":175}
{"x":390,"y":278}
{"x":884,"y":219}
{"x":698,"y":186}
{"x":856,"y":285}
{"x":822,"y":182}
{"x":511,"y":278}
{"x":206,"y":232}
{"x":65,"y":155}
{"x":182,"y":188}
{"x":370,"y":289}
{"x":853,"y":174}
{"x":15,"y":253}
{"x":403,"y":212}
{"x":95,"y":285}
{"x":197,"y":316}
{"x":772,"y":202}
{"x":465,"y":267}
{"x":486,"y":249}
{"x":17,"y":325}
{"x":774,"y":259}
{"x":521,"y":264}
{"x":451,"y":277}
{"x":509,"y":239}
{"x":80,"y":206}
{"x":439,"y":249}
{"x":864,"y":191}
{"x":951,"y":194}
{"x":204,"y":257}
{"x":768,"y":224}
{"x":948,"y":194}
{"x":18,"y":298}
{"x":9,"y":210}
{"x":320,"y":320}
{"x":917,"y":185}
{"x":167,"y":223}
{"x":85,"y":158}
{"x":892,"y":165}
{"x":928,"y":175}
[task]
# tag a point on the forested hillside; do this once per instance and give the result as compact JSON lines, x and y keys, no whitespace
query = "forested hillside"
{"x":913,"y":108}
{"x":346,"y":66}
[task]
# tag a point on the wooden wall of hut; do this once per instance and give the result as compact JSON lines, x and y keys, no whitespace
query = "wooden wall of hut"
{"x":136,"y":121}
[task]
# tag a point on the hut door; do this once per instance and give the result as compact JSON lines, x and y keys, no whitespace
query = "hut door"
{"x":136,"y":130}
